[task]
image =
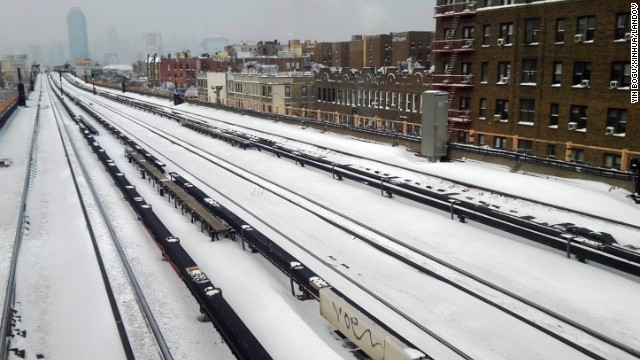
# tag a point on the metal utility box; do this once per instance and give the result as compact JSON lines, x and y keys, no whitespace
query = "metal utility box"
{"x":434,"y":124}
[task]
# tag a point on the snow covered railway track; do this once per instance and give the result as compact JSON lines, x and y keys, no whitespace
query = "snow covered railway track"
{"x":213,"y":306}
{"x":576,"y":239}
{"x":71,"y":148}
{"x":580,"y":338}
{"x":8,"y":313}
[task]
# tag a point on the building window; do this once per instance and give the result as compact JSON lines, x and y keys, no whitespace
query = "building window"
{"x":557,"y":73}
{"x":581,"y":71}
{"x":466,"y":68}
{"x":621,"y":73}
{"x":617,"y":121}
{"x":506,"y":33}
{"x":527,"y":110}
{"x":586,"y":27}
{"x":482,"y":112}
{"x":531,"y":31}
{"x":287,"y":91}
{"x":577,"y":156}
{"x":502,"y":109}
{"x":525,"y":146}
{"x":560,"y":23}
{"x":480,"y":139}
{"x":304,"y":91}
{"x":554,"y":115}
{"x":612,"y":161}
{"x":529,"y":68}
{"x":486,"y":34}
{"x":504,"y":72}
{"x":484,"y":72}
{"x":551,"y":151}
{"x":500,"y":142}
{"x":579,"y":117}
{"x":467,"y":32}
{"x":622,"y":26}
{"x":465,"y":103}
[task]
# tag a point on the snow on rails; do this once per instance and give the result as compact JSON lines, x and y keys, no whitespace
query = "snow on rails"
{"x":353,"y":321}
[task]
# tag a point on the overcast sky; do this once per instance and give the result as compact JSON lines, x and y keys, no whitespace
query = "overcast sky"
{"x":43,"y":22}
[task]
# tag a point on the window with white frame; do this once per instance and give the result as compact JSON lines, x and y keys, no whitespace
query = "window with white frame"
{"x":484,"y":72}
{"x":623,"y":26}
{"x":527,"y":110}
{"x":581,"y":71}
{"x":506,"y":33}
{"x":529,"y":68}
{"x":486,"y":34}
{"x":531,"y":31}
{"x":502,"y":109}
{"x":621,"y":73}
{"x":579,"y":116}
{"x":617,"y":120}
{"x":612,"y":161}
{"x":504,"y":72}
{"x":482,"y":110}
{"x":586,"y":27}
{"x":554,"y":115}
{"x":557,"y":73}
{"x":559,"y":35}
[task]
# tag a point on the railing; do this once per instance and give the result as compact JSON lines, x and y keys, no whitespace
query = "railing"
{"x":453,"y":80}
{"x":462,"y":8}
{"x":459,"y":116}
{"x":453,"y":45}
{"x":581,"y":168}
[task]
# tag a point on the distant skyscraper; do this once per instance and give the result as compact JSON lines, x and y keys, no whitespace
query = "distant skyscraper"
{"x":213,"y":44}
{"x":77,"y":27}
{"x":153,"y":43}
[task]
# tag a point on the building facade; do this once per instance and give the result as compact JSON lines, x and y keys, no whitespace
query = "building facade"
{"x":545,"y":78}
{"x":9,"y":66}
{"x":271,"y":93}
{"x":180,"y":70}
{"x":77,"y":30}
{"x":390,"y":95}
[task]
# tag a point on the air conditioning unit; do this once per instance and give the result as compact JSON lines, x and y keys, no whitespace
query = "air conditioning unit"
{"x":504,"y":80}
{"x":573,"y":126}
{"x":627,"y":36}
{"x":584,"y":83}
{"x":466,"y":80}
{"x":468,"y":44}
{"x":497,"y":117}
{"x":608,"y":130}
{"x":500,"y":42}
{"x":578,"y":38}
{"x":471,"y":7}
{"x":613,"y":84}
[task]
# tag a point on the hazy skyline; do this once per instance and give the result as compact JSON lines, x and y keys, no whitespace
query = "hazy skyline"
{"x":184,"y":24}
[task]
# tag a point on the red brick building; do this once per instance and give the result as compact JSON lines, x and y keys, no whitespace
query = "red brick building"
{"x":548,"y":78}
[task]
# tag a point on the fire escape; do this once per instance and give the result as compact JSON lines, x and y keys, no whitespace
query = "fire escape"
{"x":450,"y":49}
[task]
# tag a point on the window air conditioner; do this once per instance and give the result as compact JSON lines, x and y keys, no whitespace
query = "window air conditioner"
{"x":500,"y":42}
{"x":468,"y":44}
{"x":578,"y":38}
{"x":608,"y":130}
{"x":627,"y":36}
{"x":504,"y":79}
{"x":471,"y":6}
{"x":466,"y":80}
{"x":584,"y":83}
{"x":613,"y":84}
{"x":573,"y":126}
{"x":497,"y":117}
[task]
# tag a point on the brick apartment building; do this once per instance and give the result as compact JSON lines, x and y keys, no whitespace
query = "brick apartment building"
{"x":271,"y":93}
{"x":548,"y":78}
